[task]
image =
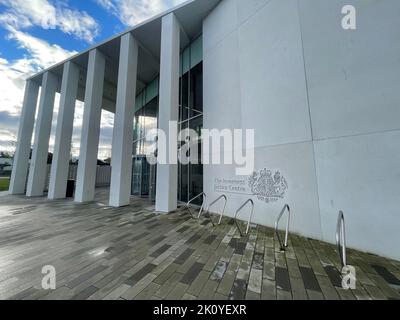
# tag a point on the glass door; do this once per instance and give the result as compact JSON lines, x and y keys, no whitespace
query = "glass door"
{"x":140,"y":176}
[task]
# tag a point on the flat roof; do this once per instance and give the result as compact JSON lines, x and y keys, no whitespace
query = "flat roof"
{"x":190,"y":14}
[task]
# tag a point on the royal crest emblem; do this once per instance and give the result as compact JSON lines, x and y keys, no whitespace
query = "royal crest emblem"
{"x":268,"y":187}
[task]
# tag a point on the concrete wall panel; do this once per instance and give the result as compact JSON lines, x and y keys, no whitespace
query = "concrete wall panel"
{"x":353,"y":75}
{"x":274,"y":96}
{"x":296,"y":165}
{"x":361,"y":176}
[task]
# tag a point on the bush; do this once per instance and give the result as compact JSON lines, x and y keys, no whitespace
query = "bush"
{"x":4,"y":183}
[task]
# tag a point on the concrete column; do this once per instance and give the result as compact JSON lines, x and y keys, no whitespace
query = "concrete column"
{"x":65,"y":123}
{"x":38,"y":167}
{"x":121,"y":172}
{"x":167,"y":175}
{"x":86,"y":179}
{"x":25,"y":131}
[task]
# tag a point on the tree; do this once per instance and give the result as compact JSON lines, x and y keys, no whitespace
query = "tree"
{"x":5,"y":155}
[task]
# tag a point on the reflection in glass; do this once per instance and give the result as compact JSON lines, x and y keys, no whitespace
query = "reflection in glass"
{"x":145,"y":123}
{"x":191,"y":108}
{"x":190,"y":177}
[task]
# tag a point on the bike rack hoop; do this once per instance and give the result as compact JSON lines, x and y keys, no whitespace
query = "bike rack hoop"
{"x":341,"y":238}
{"x":223,"y":210}
{"x":251,"y":215}
{"x":283,"y":245}
{"x":202,"y":205}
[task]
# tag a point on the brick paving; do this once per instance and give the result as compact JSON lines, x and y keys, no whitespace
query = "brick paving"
{"x":132,"y":253}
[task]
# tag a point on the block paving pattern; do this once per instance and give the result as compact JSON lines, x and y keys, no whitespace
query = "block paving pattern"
{"x":132,"y":253}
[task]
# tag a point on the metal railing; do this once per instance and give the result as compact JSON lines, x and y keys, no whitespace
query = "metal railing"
{"x":202,"y":205}
{"x":223,"y":210}
{"x":283,"y":245}
{"x":341,"y":238}
{"x":251,"y":215}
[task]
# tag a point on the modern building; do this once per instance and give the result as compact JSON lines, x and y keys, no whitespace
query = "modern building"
{"x":324,"y":102}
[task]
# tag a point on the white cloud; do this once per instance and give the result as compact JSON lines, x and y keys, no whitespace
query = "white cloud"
{"x":105,"y":141}
{"x":107,"y":4}
{"x":40,"y":55}
{"x":22,"y":14}
{"x":132,"y":12}
{"x":8,"y":132}
{"x":79,"y":24}
{"x":12,"y":80}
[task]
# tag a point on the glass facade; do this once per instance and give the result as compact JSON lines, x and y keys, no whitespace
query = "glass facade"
{"x":145,"y":120}
{"x":190,"y":179}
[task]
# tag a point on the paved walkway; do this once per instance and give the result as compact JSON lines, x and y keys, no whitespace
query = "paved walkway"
{"x":131,"y":253}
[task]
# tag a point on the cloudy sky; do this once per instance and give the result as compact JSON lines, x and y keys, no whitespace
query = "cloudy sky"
{"x":35,"y":34}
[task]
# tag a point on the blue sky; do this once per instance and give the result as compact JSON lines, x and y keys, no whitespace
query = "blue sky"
{"x":35,"y":34}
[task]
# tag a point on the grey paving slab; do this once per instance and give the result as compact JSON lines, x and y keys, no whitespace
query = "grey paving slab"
{"x":208,"y":291}
{"x":325,"y":287}
{"x":192,"y":273}
{"x":268,"y":291}
{"x":282,"y":279}
{"x":131,"y":281}
{"x":184,"y":256}
{"x":83,"y":295}
{"x":219,"y":271}
{"x":239,"y":290}
{"x":132,"y":253}
{"x":310,"y":281}
{"x":148,"y":292}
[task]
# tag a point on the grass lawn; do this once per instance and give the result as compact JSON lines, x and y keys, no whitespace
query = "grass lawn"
{"x":4,"y":182}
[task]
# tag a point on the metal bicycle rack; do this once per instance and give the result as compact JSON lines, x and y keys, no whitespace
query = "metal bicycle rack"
{"x":202,"y":205}
{"x":283,"y":245}
{"x":223,"y":210}
{"x":341,"y":238}
{"x":251,"y":215}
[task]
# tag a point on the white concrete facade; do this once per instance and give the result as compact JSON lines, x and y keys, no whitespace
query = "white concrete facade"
{"x":323,"y":101}
{"x":86,"y":179}
{"x":123,"y":129}
{"x":38,"y":165}
{"x":25,"y":131}
{"x":65,"y":122}
{"x":167,"y":174}
{"x":325,"y":107}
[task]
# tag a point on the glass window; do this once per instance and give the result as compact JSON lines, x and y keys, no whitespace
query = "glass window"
{"x":151,"y":91}
{"x":190,"y":116}
{"x":138,"y":131}
{"x":184,"y":96}
{"x":145,"y":120}
{"x":186,"y":60}
{"x":183,"y":175}
{"x":196,"y":170}
{"x":191,"y":98}
{"x":139,"y":101}
{"x":196,"y":52}
{"x":151,"y":123}
{"x":196,"y":89}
